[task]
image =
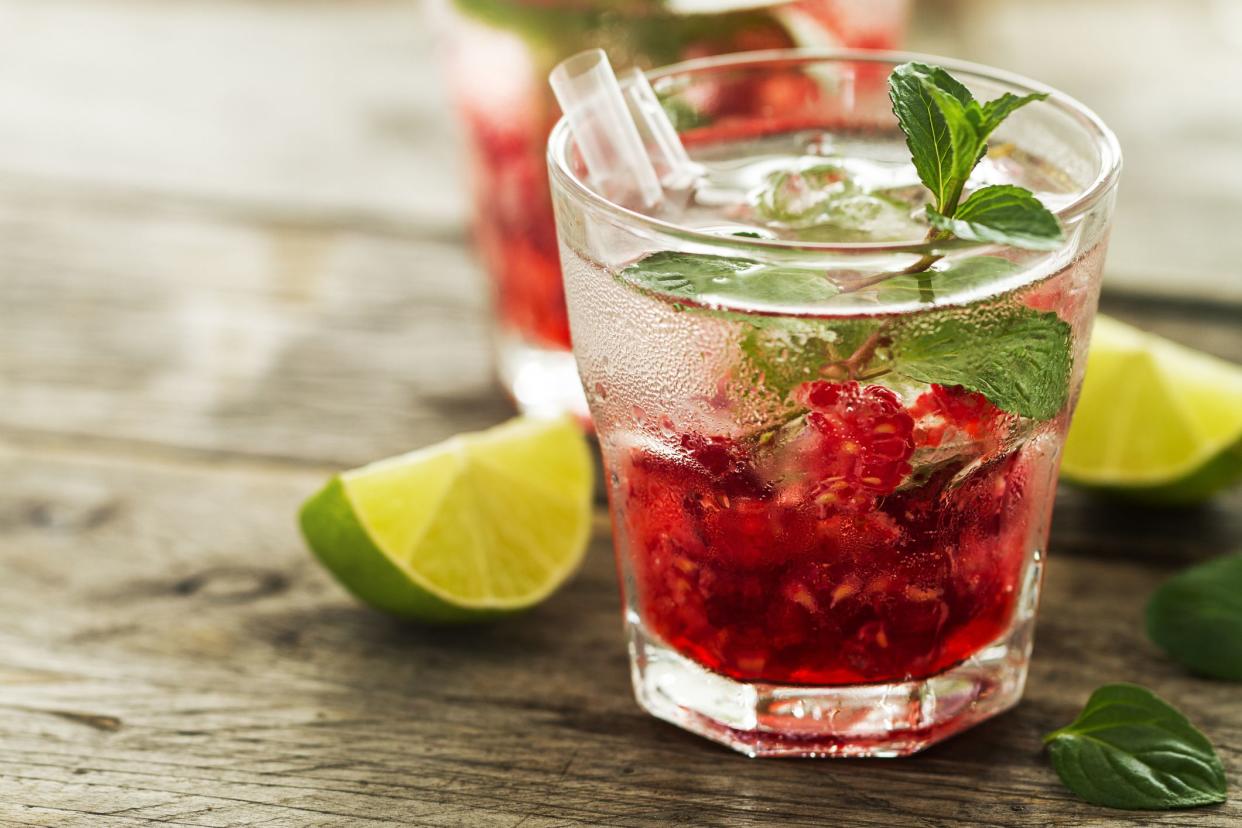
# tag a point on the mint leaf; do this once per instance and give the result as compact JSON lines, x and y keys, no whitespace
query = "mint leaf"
{"x":1018,"y":358}
{"x":707,"y":278}
{"x":1130,"y":749}
{"x":946,"y":131}
{"x":951,"y":277}
{"x":964,"y":139}
{"x":1005,"y":214}
{"x":989,"y":116}
{"x":931,"y":110}
{"x":1196,"y":617}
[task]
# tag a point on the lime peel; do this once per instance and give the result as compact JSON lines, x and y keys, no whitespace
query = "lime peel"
{"x":1155,"y":419}
{"x":478,"y":526}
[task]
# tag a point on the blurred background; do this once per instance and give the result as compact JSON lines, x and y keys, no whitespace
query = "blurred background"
{"x":218,"y":216}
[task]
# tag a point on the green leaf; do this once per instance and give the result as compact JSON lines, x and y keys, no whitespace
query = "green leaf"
{"x":989,"y":116}
{"x":1018,"y":358}
{"x":1130,"y":749}
{"x":931,"y":109}
{"x":1196,"y":617}
{"x":950,"y":277}
{"x":708,"y":279}
{"x":1004,"y":214}
{"x":967,"y":146}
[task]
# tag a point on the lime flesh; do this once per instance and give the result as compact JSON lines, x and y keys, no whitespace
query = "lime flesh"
{"x":1156,"y":420}
{"x":477,"y":526}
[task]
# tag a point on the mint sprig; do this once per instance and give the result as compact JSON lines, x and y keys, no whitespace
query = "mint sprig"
{"x":1130,"y":749}
{"x":947,"y":131}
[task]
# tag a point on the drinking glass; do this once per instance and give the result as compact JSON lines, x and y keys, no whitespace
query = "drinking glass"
{"x":499,"y":54}
{"x":830,"y":542}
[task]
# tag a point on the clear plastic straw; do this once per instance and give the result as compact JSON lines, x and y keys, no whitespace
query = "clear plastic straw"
{"x":628,"y":143}
{"x":659,"y":136}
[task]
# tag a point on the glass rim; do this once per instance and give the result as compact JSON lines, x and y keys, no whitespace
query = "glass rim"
{"x":1104,"y":139}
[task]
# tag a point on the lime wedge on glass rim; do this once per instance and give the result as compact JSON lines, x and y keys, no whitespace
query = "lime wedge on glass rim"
{"x":478,"y":526}
{"x":1156,"y":420}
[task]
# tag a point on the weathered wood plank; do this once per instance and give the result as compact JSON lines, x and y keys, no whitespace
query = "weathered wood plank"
{"x":168,"y":652}
{"x":214,"y":333}
{"x":319,"y":108}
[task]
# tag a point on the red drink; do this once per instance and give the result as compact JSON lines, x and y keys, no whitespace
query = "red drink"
{"x":831,"y":446}
{"x":825,"y":562}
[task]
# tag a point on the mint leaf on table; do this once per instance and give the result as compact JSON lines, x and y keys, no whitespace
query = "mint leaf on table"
{"x":1130,"y":749}
{"x":708,"y":278}
{"x":1196,"y":617}
{"x":1018,"y":358}
{"x":1004,"y":214}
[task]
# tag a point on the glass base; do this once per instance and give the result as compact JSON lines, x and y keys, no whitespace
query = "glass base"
{"x":880,"y":720}
{"x":542,"y":381}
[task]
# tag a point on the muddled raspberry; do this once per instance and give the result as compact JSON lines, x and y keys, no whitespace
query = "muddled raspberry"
{"x":943,"y":408}
{"x":755,"y":579}
{"x":728,"y":464}
{"x":865,"y":443}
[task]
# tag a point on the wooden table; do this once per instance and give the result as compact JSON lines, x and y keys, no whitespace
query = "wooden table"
{"x":205,"y":308}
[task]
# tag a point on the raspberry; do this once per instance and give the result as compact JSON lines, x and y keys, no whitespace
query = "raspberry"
{"x":727,"y":463}
{"x":865,"y":442}
{"x":941,"y":408}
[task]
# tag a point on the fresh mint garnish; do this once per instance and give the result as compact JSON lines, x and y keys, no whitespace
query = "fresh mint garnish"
{"x":1018,"y":358}
{"x":1196,"y":617}
{"x":1004,"y":214}
{"x":946,"y":131}
{"x":1130,"y":749}
{"x":708,"y":278}
{"x":931,"y":109}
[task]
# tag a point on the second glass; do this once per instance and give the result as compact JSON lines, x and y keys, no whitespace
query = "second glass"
{"x":829,"y":544}
{"x":499,"y":55}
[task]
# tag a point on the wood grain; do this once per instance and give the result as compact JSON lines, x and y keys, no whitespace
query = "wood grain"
{"x":172,"y":654}
{"x":232,"y":260}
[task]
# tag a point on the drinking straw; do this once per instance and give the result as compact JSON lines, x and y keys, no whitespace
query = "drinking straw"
{"x":658,"y":134}
{"x":626,"y":140}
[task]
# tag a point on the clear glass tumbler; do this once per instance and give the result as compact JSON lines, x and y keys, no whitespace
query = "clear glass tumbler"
{"x":830,"y":542}
{"x":498,"y":56}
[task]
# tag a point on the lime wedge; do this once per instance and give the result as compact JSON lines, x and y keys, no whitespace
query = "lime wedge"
{"x":1155,"y":420}
{"x":477,"y":526}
